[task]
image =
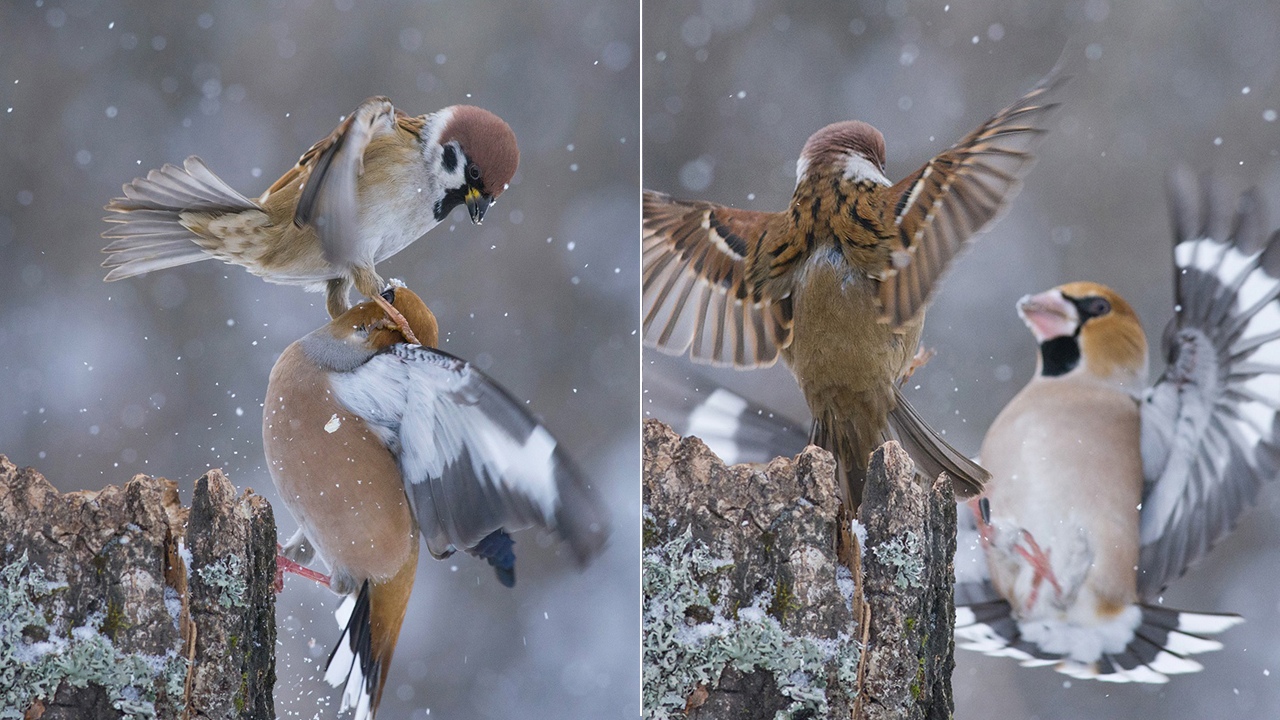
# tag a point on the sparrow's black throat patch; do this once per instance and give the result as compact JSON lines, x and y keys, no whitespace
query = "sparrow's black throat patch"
{"x":452,"y":199}
{"x":1060,"y":355}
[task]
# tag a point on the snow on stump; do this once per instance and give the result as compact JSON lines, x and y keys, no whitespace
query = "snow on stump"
{"x":122,"y":603}
{"x":751,"y":610}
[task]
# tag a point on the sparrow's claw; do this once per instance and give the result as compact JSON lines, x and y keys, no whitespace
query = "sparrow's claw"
{"x":398,"y":319}
{"x":922,"y":358}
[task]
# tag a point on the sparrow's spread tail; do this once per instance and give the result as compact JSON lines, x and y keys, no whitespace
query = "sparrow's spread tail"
{"x":370,"y":622}
{"x":149,"y":231}
{"x":1144,"y":643}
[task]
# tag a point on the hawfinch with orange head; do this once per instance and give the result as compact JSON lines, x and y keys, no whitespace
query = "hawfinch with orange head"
{"x":837,"y":283}
{"x":1103,"y":490}
{"x":379,"y":181}
{"x":374,"y":441}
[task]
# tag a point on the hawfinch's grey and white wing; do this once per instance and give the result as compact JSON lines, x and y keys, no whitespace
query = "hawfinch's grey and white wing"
{"x":938,"y":208}
{"x":733,"y":427}
{"x":1210,"y":436}
{"x":696,"y":297}
{"x":473,"y":459}
{"x":330,"y":172}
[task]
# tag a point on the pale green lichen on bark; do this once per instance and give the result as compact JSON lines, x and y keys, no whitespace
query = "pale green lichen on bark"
{"x":227,"y":575}
{"x":906,"y":555}
{"x":691,"y":637}
{"x":36,"y":658}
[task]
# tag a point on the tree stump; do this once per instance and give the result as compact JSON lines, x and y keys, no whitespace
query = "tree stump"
{"x":121,"y":603}
{"x":752,"y":606}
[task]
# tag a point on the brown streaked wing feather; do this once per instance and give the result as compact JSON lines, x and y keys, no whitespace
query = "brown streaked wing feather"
{"x":957,"y":194}
{"x":329,"y":171}
{"x":696,"y":296}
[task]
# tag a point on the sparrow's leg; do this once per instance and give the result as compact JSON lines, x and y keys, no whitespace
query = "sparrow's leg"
{"x":336,"y":296}
{"x":398,"y":318}
{"x":284,"y":565}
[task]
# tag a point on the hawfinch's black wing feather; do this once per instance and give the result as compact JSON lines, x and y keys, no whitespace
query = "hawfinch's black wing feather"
{"x":331,"y":170}
{"x":696,"y":297}
{"x":734,"y":428}
{"x":939,"y":207}
{"x":473,"y":459}
{"x":1210,"y":436}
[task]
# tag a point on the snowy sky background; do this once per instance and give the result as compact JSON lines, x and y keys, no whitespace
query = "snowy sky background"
{"x":732,"y":88}
{"x":164,"y":374}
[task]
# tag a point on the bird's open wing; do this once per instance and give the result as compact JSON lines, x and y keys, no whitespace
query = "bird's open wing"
{"x":330,"y":171}
{"x":696,"y":298}
{"x":473,"y":459}
{"x":1210,"y":437}
{"x":735,"y":428}
{"x":939,"y":207}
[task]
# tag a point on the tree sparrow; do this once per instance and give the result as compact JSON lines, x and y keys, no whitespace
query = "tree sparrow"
{"x":362,"y":194}
{"x":838,"y":282}
{"x":1104,"y":491}
{"x":373,"y":441}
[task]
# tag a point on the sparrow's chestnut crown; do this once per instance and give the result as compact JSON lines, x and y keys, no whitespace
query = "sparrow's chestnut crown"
{"x":488,"y":143}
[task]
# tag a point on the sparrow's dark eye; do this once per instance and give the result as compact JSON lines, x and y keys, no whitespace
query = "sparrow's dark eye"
{"x":473,"y":171}
{"x":1094,"y":306}
{"x":390,"y":294}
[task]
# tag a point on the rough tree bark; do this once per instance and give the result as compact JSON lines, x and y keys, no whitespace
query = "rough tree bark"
{"x":122,"y":603}
{"x":777,"y":535}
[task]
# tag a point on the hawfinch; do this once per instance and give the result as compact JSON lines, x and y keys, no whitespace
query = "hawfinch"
{"x":374,"y":442}
{"x":838,"y":282}
{"x":362,"y":194}
{"x":1104,"y":490}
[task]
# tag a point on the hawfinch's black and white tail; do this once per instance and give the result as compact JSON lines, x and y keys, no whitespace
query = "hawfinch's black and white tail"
{"x":148,"y":232}
{"x":1152,"y":642}
{"x":370,"y":622}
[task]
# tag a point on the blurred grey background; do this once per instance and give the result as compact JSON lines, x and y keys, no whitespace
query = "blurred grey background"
{"x":732,"y":88}
{"x":164,"y":374}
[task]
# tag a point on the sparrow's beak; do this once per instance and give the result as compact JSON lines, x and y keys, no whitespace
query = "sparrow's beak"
{"x":1049,"y":315}
{"x":477,"y":204}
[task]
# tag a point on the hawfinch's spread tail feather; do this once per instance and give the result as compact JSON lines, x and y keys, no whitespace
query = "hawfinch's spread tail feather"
{"x":1161,"y":639}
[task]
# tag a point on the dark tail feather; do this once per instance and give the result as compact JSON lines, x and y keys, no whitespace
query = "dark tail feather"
{"x":932,"y":454}
{"x":370,"y":622}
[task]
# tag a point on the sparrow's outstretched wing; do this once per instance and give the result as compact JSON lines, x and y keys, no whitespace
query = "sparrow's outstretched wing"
{"x":1210,"y":437}
{"x":474,"y":461}
{"x":939,"y":207}
{"x":330,"y":171}
{"x":696,"y":298}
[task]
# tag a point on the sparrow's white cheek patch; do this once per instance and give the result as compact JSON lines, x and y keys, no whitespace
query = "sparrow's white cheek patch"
{"x":859,"y":169}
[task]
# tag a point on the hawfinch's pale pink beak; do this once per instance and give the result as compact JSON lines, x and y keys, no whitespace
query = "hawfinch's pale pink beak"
{"x":1049,"y":315}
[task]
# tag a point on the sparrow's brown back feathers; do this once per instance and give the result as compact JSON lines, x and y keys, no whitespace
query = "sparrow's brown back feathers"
{"x":726,"y":285}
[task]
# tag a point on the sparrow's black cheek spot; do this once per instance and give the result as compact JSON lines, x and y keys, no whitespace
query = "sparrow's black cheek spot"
{"x":452,"y":199}
{"x":1059,"y":355}
{"x":450,"y":159}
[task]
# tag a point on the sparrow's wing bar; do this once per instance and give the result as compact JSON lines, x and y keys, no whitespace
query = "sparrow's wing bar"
{"x":938,"y":208}
{"x":696,"y":298}
{"x":1210,"y":435}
